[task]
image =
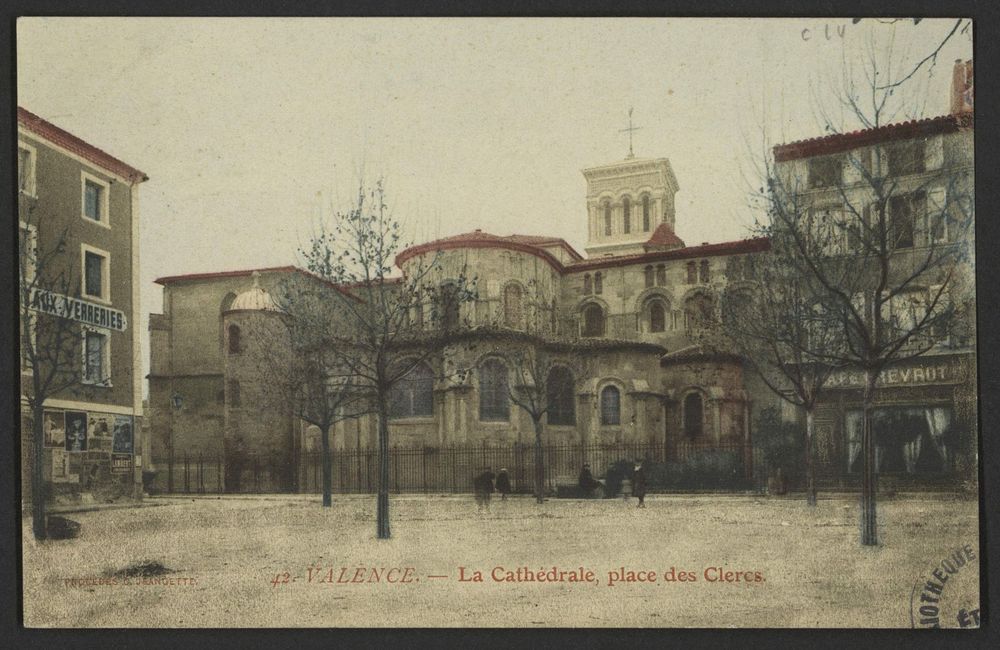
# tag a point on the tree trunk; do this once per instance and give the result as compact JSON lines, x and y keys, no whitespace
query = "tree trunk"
{"x":539,"y":464}
{"x":810,"y":460}
{"x":327,"y":468}
{"x":382,"y":507}
{"x":38,"y":525}
{"x":869,"y":479}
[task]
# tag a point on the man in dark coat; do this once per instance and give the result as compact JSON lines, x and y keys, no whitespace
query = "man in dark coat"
{"x":503,"y":483}
{"x":639,"y":484}
{"x":587,"y":481}
{"x":483,"y":487}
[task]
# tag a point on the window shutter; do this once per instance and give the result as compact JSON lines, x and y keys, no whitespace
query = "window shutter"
{"x":934,"y":153}
{"x":853,"y":161}
{"x":937,"y":216}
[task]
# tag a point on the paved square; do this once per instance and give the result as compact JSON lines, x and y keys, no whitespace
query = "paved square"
{"x":748,"y":561}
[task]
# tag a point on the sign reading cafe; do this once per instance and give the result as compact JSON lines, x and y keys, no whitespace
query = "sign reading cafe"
{"x":925,"y":371}
{"x":82,"y":311}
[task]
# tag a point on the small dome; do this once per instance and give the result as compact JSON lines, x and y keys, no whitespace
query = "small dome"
{"x":255,"y":298}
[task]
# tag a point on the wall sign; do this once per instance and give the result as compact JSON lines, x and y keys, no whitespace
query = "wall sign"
{"x":82,"y":311}
{"x":922,"y":372}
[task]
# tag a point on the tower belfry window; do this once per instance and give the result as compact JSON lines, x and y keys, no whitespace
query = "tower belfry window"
{"x":607,"y":219}
{"x":645,"y":213}
{"x":626,"y":215}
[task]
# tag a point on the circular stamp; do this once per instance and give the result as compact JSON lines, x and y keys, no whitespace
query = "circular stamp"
{"x":947,"y":596}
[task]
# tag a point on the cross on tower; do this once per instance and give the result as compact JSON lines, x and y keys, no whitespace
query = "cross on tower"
{"x":630,"y":130}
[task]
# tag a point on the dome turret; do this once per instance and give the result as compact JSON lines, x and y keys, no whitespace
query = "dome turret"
{"x":256,"y":298}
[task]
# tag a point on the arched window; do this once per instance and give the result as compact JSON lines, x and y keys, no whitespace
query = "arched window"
{"x":512,"y":311}
{"x":227,"y":302}
{"x":593,"y":320}
{"x":611,"y":406}
{"x":626,"y":215}
{"x":234,"y":339}
{"x":586,"y":284}
{"x":235,"y":400}
{"x":607,"y":219}
{"x":657,"y":316}
{"x":413,"y":395}
{"x":494,"y":401}
{"x":645,"y":213}
{"x":418,"y":314}
{"x":704,"y":271}
{"x":448,"y":306}
{"x":661,"y":275}
{"x":698,"y":311}
{"x":559,"y":389}
{"x":694,"y":416}
{"x":598,"y":284}
{"x":692,"y":273}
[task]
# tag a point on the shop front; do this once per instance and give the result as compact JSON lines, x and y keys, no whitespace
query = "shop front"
{"x":924,"y":422}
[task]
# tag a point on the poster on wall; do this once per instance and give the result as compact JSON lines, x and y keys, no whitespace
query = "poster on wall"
{"x":122,"y":434}
{"x":121,"y":463}
{"x":76,"y":431}
{"x":54,"y":426}
{"x":99,"y":427}
{"x":61,"y":467}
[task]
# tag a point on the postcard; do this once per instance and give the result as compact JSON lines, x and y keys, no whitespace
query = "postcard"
{"x":498,"y":322}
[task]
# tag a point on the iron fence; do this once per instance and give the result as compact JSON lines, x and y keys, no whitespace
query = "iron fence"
{"x":450,"y":469}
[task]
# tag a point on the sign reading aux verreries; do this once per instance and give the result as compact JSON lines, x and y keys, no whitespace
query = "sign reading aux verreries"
{"x":929,"y":370}
{"x":82,"y":311}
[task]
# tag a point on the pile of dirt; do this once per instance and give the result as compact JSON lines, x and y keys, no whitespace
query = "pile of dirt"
{"x":144,"y":569}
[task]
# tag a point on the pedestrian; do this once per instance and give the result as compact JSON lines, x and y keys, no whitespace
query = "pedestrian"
{"x":503,"y":483}
{"x":588,"y":484}
{"x":639,"y":484}
{"x":482,"y":484}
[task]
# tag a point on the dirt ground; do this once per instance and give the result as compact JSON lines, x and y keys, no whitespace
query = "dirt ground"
{"x":228,"y":559}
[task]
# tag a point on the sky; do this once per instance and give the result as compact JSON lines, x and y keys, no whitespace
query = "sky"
{"x":252,"y":130}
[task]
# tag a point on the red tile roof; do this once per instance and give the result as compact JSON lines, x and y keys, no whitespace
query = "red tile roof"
{"x":664,"y":237}
{"x":193,"y":277}
{"x":839,"y":142}
{"x":85,"y":150}
{"x":531,"y":244}
{"x":740,"y":246}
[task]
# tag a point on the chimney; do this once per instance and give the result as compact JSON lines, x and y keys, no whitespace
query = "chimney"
{"x":961,"y":87}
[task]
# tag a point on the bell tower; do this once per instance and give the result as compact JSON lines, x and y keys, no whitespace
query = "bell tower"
{"x":626,"y":202}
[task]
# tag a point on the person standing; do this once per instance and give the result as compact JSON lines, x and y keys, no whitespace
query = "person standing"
{"x":503,"y":483}
{"x":483,"y":487}
{"x":639,"y":484}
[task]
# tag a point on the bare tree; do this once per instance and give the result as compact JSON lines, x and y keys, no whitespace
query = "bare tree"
{"x":50,"y":341}
{"x":297,"y":370}
{"x":877,"y":238}
{"x":775,"y":326}
{"x":383,"y":336}
{"x":529,"y":390}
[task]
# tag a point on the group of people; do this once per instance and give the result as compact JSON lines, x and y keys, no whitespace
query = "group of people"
{"x":589,"y":485}
{"x":486,"y":483}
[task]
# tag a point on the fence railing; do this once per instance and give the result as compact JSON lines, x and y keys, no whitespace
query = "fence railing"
{"x":450,"y":469}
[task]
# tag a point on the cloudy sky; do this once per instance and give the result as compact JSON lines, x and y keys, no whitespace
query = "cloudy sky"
{"x":252,"y":129}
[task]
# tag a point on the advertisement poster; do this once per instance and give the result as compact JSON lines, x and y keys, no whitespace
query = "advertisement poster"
{"x":99,"y":430}
{"x":76,"y":431}
{"x":531,"y":323}
{"x":55,"y":429}
{"x":122,"y":434}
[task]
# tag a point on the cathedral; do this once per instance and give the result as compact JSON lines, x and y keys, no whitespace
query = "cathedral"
{"x":628,"y":330}
{"x":624,"y":325}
